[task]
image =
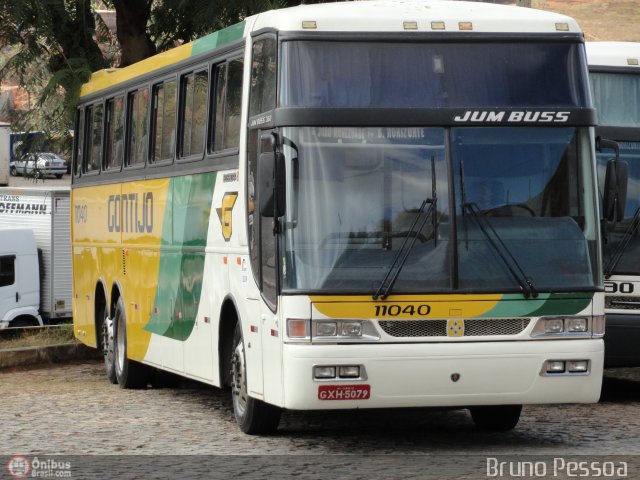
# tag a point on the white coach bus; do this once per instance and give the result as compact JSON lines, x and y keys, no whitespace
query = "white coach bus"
{"x":351,"y":205}
{"x":614,"y":73}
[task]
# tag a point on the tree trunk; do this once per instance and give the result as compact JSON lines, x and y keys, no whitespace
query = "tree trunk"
{"x":132,"y":17}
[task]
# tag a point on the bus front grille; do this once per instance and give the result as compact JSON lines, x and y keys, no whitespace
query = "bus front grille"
{"x":474,"y":327}
{"x":622,"y":303}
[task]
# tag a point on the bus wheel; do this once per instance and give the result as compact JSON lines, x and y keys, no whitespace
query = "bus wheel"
{"x":253,"y":416}
{"x":130,"y":374}
{"x":108,"y":348}
{"x":496,"y":418}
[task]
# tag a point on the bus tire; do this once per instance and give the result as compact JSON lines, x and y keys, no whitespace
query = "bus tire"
{"x":253,"y":416}
{"x":496,"y":418}
{"x":108,"y":347}
{"x":130,"y":374}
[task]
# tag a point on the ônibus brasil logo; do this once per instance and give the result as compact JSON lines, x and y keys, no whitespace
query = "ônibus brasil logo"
{"x":19,"y":466}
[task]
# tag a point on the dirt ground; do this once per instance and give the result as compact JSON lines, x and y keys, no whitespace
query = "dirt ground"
{"x":601,"y":20}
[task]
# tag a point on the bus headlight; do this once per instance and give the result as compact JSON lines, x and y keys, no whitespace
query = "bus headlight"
{"x":554,"y":325}
{"x":568,"y":327}
{"x":326,"y":329}
{"x":347,"y":330}
{"x":352,"y":329}
{"x":577,"y":324}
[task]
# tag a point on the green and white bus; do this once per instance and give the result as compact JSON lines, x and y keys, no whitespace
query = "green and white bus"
{"x":614,"y":73}
{"x":352,"y":205}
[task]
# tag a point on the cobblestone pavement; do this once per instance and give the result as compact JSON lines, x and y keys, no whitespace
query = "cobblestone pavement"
{"x":73,"y":409}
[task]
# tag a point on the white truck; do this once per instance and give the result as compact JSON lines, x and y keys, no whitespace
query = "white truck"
{"x":5,"y":152}
{"x":35,"y":256}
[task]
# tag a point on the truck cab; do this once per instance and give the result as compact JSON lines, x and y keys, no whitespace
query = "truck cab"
{"x":19,"y":279}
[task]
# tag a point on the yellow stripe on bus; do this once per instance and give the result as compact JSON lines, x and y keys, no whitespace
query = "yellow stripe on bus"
{"x":405,"y":306}
{"x":106,"y":78}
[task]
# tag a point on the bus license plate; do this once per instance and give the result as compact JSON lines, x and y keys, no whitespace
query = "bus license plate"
{"x":344,"y":392}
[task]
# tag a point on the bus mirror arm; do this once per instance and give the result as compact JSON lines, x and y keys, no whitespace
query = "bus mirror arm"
{"x":615,"y":182}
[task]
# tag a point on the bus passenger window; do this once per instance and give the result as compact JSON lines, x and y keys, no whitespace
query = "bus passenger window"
{"x":221,"y":89}
{"x":263,"y":76}
{"x":94,"y":157}
{"x":233,"y":104}
{"x":228,"y":101}
{"x":137,"y":125}
{"x":79,"y":139}
{"x":164,"y":121}
{"x":194,"y":113}
{"x":114,"y":147}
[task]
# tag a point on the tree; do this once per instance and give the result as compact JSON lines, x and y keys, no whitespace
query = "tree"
{"x":54,"y":41}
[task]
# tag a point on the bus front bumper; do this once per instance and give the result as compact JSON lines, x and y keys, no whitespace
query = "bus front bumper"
{"x":441,"y":374}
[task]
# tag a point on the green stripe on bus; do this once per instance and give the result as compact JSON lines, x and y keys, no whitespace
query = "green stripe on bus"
{"x":544,"y":304}
{"x":216,"y":39}
{"x":184,"y":236}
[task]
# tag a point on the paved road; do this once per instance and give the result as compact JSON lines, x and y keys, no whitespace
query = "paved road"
{"x":72,"y":409}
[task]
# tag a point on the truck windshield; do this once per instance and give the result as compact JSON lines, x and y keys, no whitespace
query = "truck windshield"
{"x":354,"y":193}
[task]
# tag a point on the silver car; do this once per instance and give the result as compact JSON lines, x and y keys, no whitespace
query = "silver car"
{"x":43,"y":163}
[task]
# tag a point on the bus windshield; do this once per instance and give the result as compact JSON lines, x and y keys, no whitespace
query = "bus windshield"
{"x":617,"y":99}
{"x":622,"y":249}
{"x":354,"y":193}
{"x":432,"y":75}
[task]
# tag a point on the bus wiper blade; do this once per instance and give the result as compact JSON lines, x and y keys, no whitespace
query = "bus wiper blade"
{"x":622,"y":246}
{"x":404,"y":250}
{"x":498,"y":245}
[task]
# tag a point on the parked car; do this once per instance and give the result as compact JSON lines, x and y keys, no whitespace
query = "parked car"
{"x":43,"y":163}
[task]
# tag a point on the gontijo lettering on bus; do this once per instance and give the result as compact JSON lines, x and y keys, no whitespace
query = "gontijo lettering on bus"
{"x":131,"y":212}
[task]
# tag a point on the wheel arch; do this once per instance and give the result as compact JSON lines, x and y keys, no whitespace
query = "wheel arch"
{"x":116,"y":293}
{"x":99,"y":304}
{"x":229,"y":317}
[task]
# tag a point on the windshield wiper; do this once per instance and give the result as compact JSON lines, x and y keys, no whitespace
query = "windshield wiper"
{"x":622,"y":245}
{"x":403,"y":252}
{"x":503,"y":252}
{"x":412,"y":235}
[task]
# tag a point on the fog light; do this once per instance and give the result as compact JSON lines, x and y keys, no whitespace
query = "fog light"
{"x":324,"y":372}
{"x":555,"y":366}
{"x":326,"y":329}
{"x":349,"y":371}
{"x":577,"y":366}
{"x":352,"y":329}
{"x":577,"y":324}
{"x":554,"y":325}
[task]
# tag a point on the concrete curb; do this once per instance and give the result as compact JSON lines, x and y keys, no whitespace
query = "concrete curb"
{"x":66,"y":352}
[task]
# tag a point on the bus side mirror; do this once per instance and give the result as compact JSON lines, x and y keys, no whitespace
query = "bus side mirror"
{"x":615,"y":190}
{"x":271,"y":181}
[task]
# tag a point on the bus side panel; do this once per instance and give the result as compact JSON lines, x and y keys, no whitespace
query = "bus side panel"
{"x":94,"y":237}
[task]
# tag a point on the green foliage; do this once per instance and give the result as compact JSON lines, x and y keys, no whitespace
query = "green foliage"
{"x":52,"y":54}
{"x":52,"y":45}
